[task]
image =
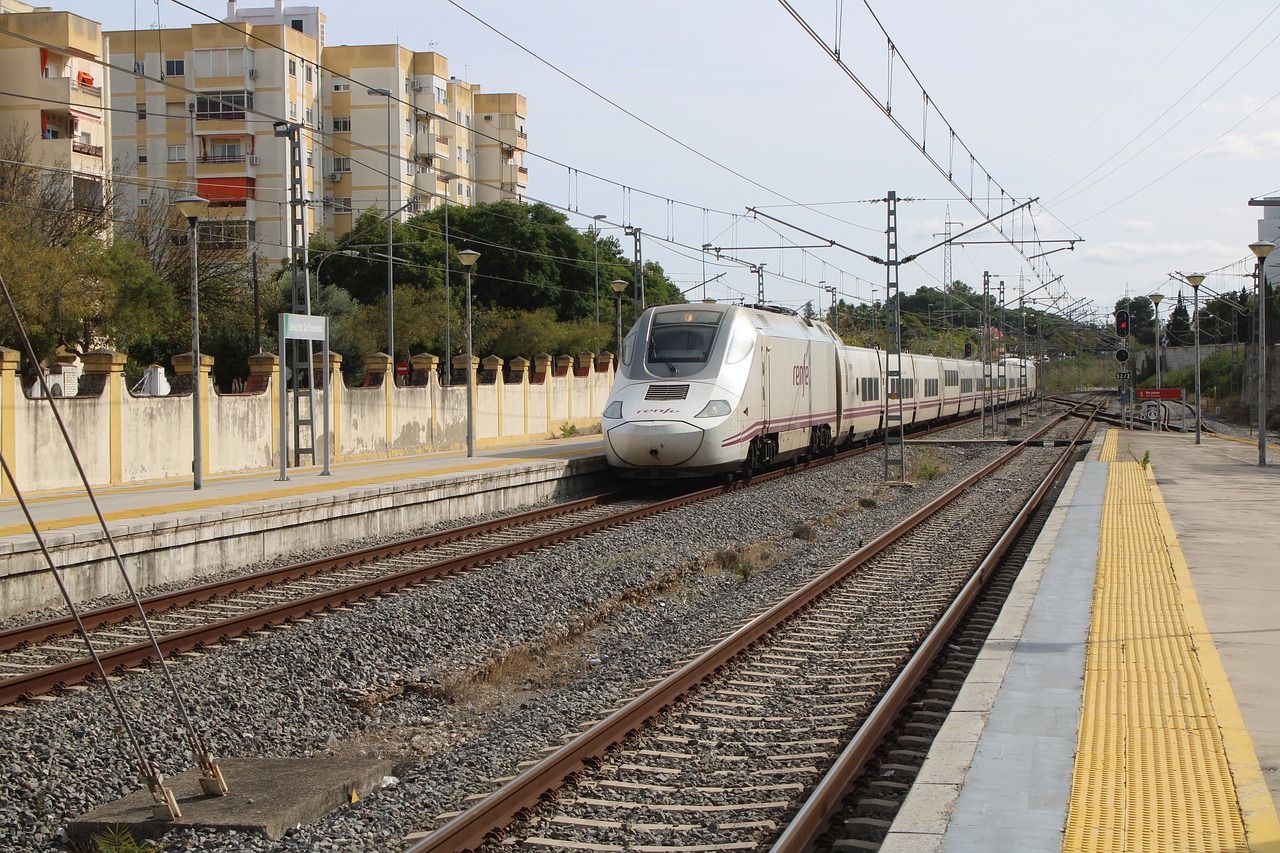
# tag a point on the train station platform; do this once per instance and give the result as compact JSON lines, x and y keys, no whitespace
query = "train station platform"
{"x":1127,"y":698}
{"x":168,"y":531}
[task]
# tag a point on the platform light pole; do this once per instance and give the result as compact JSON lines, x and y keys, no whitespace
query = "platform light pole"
{"x":468,"y":258}
{"x":1194,"y":280}
{"x":448,"y":290}
{"x":391,"y":297}
{"x":1261,"y":249}
{"x":618,"y":286}
{"x":193,"y":207}
{"x":1155,"y":300}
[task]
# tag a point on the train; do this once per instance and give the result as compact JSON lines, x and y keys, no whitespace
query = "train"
{"x":711,"y":389}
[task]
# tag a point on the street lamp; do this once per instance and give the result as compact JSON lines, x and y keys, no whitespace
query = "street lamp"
{"x":1261,"y":249}
{"x":468,"y":258}
{"x":835,"y":314}
{"x":192,"y":207}
{"x":618,"y":286}
{"x":1194,"y":280}
{"x":448,"y":291}
{"x":1155,"y":300}
{"x":391,"y":297}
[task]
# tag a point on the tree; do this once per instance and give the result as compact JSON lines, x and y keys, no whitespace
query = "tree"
{"x":1178,"y":329}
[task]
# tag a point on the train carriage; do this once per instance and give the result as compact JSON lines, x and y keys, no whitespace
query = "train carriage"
{"x":714,"y":389}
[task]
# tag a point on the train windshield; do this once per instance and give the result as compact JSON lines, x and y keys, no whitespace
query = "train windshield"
{"x":681,"y":341}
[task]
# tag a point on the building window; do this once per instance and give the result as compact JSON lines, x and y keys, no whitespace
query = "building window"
{"x":223,"y":105}
{"x":175,"y":67}
{"x":142,"y":202}
{"x":296,"y":23}
{"x":307,"y":69}
{"x":311,"y":116}
{"x":342,"y":164}
{"x":342,"y":124}
{"x":142,"y":155}
{"x":177,"y":153}
{"x":140,"y":68}
{"x":293,"y":68}
{"x":293,"y":111}
{"x":142,"y":112}
{"x":228,"y":233}
{"x":442,"y":95}
{"x":222,"y":61}
{"x":342,"y":87}
{"x":224,"y":151}
{"x":342,"y":205}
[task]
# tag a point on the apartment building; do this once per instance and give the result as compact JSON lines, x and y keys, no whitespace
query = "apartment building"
{"x":196,"y":111}
{"x":208,"y":102}
{"x":55,"y":94}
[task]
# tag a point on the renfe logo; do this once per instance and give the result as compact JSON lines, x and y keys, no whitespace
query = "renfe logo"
{"x":800,"y":374}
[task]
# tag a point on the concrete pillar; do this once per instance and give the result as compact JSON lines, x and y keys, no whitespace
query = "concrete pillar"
{"x":542,"y":373}
{"x":378,"y":370}
{"x":108,"y":368}
{"x":10,"y":394}
{"x":564,"y":367}
{"x":519,"y":370}
{"x":491,"y":374}
{"x":331,"y":398}
{"x":422,"y":367}
{"x":184,"y":379}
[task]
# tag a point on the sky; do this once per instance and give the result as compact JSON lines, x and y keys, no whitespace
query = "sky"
{"x":1142,"y":128}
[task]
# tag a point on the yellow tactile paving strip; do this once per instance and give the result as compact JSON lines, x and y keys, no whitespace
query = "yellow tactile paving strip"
{"x":1160,"y":733}
{"x":1110,"y":445}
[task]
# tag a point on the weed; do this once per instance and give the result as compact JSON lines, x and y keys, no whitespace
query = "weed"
{"x":1146,"y":460}
{"x":867,"y":503}
{"x":568,"y":430}
{"x":804,"y":532}
{"x":734,"y":560}
{"x":120,"y":840}
{"x":929,"y":466}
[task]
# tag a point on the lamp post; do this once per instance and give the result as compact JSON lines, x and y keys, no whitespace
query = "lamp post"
{"x":835,"y":314}
{"x":448,"y":291}
{"x":468,"y":258}
{"x":1155,"y":300}
{"x":391,"y":298}
{"x":192,"y":207}
{"x":1194,"y":280}
{"x":618,"y":286}
{"x":1261,"y":249}
{"x":595,"y":243}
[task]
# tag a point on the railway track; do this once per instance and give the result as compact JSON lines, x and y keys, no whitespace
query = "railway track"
{"x":42,"y":657}
{"x":720,"y":754}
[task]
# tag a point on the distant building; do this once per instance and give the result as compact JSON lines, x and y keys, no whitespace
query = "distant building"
{"x":55,"y":94}
{"x":215,"y":132}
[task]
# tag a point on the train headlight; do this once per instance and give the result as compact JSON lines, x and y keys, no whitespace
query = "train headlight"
{"x":715,"y":409}
{"x":613,"y":410}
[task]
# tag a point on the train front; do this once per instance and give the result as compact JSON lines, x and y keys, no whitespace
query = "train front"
{"x":674,"y":409}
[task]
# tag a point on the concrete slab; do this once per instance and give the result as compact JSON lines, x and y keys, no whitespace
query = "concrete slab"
{"x":268,"y":796}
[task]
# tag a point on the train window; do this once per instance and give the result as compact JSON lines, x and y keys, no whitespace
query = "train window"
{"x":931,"y":387}
{"x":740,"y":345}
{"x":870,"y":387}
{"x":627,"y":346}
{"x":682,"y":337}
{"x":951,"y":378}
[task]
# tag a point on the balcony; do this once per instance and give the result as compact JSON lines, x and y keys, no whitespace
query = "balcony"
{"x":87,"y":149}
{"x":223,"y":158}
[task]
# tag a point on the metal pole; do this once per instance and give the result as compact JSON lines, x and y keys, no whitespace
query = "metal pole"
{"x":448,"y":352}
{"x":391,"y":296}
{"x":1262,"y":360}
{"x":197,"y":457}
{"x":471,"y":378}
{"x":619,"y":342}
{"x":1195,"y":292}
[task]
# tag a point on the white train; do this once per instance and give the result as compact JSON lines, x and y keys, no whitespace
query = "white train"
{"x":713,"y":389}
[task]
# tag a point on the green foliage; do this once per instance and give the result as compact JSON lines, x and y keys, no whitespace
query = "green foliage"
{"x":568,"y":430}
{"x":1146,"y":460}
{"x":120,"y":840}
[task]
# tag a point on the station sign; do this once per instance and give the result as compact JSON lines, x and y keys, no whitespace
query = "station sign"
{"x":1158,"y":393}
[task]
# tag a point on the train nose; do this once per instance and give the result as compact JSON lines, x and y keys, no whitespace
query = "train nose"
{"x":654,"y":444}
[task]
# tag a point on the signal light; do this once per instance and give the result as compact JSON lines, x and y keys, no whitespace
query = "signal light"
{"x":1122,"y":322}
{"x":968,"y":349}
